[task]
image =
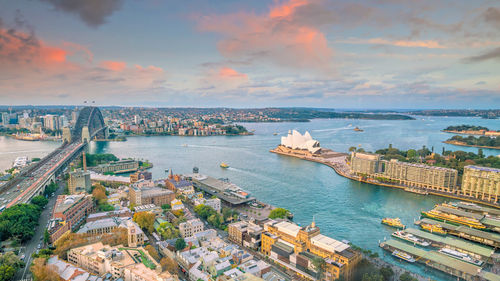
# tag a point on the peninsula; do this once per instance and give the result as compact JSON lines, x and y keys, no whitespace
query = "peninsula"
{"x":471,"y":130}
{"x":480,"y":142}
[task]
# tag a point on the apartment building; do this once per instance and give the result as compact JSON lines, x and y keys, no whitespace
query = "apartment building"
{"x":215,"y":203}
{"x":140,"y":175}
{"x":296,"y":246}
{"x":190,"y":228}
{"x":247,"y":234}
{"x":365,"y":163}
{"x":150,"y":195}
{"x":118,"y":261}
{"x":409,"y":174}
{"x":481,"y":182}
{"x":73,"y":209}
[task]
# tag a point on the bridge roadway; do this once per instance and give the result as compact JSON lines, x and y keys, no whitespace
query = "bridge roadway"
{"x":35,"y":179}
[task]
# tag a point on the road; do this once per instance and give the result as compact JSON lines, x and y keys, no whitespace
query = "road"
{"x":30,"y":247}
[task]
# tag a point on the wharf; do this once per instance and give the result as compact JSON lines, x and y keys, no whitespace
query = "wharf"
{"x":459,"y":213}
{"x":478,"y":209}
{"x":483,"y":237}
{"x":440,"y":261}
{"x":477,"y":251}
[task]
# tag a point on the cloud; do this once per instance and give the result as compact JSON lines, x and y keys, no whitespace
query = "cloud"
{"x":431,"y":44}
{"x":272,"y":37}
{"x":114,"y":65}
{"x":35,"y":69}
{"x":489,"y":55}
{"x":92,"y":12}
{"x":227,"y":72}
{"x":492,"y":16}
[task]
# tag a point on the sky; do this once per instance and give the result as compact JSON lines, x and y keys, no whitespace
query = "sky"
{"x":235,"y":53}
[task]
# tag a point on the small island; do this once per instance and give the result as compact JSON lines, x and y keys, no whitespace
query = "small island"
{"x":481,"y":142}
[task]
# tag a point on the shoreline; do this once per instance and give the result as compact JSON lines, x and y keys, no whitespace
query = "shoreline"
{"x":404,"y":188}
{"x":457,"y":143}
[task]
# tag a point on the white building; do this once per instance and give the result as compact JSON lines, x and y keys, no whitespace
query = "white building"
{"x":213,"y":202}
{"x":295,"y":140}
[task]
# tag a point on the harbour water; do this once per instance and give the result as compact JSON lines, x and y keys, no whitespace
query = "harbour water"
{"x":342,"y":208}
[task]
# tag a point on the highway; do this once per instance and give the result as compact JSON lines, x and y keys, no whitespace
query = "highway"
{"x":26,"y":184}
{"x":31,"y":246}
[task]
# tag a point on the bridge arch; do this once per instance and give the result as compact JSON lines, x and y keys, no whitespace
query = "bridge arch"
{"x":89,"y":125}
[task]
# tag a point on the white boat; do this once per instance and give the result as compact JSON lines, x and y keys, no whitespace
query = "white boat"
{"x":411,"y":238}
{"x":460,"y":256}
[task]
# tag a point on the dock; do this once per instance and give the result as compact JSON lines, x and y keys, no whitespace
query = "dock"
{"x":483,"y":237}
{"x":483,"y":253}
{"x":440,"y":261}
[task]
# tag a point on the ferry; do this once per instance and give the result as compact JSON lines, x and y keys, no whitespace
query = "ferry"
{"x":403,"y":256}
{"x":434,"y":214}
{"x":411,"y":238}
{"x":461,"y":256}
{"x":433,"y":228}
{"x":224,"y":165}
{"x":393,"y":222}
{"x":358,"y":129}
{"x":275,"y":134}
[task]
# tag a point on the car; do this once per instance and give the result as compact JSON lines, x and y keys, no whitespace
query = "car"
{"x":22,"y":257}
{"x":39,"y":246}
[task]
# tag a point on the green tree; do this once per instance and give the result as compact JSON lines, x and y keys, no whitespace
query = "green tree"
{"x":411,"y":153}
{"x":19,"y":221}
{"x":319,"y":265}
{"x":7,"y":272}
{"x":407,"y":277}
{"x":387,"y":273}
{"x":180,"y":244}
{"x":166,"y":207}
{"x":46,"y":237}
{"x":40,"y":201}
{"x":278,"y":213}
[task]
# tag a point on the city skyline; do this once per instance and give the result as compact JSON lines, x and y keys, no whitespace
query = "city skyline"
{"x":311,"y":53}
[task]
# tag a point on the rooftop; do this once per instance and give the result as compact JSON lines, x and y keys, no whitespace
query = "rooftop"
{"x":485,"y":169}
{"x":288,"y":228}
{"x":328,"y":243}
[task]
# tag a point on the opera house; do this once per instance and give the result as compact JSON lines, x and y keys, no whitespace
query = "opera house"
{"x":296,"y":143}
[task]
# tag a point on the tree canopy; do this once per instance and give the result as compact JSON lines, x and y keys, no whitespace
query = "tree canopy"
{"x":145,"y":220}
{"x":280,"y":213}
{"x":19,"y":221}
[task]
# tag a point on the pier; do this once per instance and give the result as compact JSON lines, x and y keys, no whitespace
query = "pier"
{"x":441,"y":262}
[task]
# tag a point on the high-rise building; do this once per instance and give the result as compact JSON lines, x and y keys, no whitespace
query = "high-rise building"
{"x":5,"y":118}
{"x":481,"y":182}
{"x":79,"y":181}
{"x":52,"y":122}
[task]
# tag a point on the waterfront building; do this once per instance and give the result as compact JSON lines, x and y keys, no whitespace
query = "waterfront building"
{"x":118,"y":261}
{"x":117,"y":167}
{"x":247,"y":234}
{"x":481,"y":182}
{"x":79,"y":181}
{"x":365,"y":163}
{"x":296,"y":246}
{"x":420,"y":175}
{"x":215,"y":203}
{"x":190,"y":227}
{"x":150,"y":195}
{"x":408,"y":174}
{"x":294,"y":140}
{"x":140,"y":175}
{"x":73,"y":209}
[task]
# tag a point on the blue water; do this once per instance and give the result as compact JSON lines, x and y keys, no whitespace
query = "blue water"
{"x":342,"y":208}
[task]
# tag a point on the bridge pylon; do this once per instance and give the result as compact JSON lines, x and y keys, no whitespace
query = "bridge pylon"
{"x":85,"y":134}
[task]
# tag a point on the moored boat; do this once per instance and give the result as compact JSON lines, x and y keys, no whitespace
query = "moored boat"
{"x":396,"y":222}
{"x":433,"y":228}
{"x":460,"y":256}
{"x":411,"y":238}
{"x":454,"y":219}
{"x":403,"y":256}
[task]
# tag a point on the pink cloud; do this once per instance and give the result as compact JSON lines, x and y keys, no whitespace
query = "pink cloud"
{"x":114,"y":65}
{"x":272,"y":37}
{"x":227,"y":72}
{"x":430,"y":44}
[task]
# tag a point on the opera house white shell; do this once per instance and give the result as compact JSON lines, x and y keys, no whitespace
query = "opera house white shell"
{"x":295,"y":140}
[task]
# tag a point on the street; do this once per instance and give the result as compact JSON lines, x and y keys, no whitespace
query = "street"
{"x":31,"y":246}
